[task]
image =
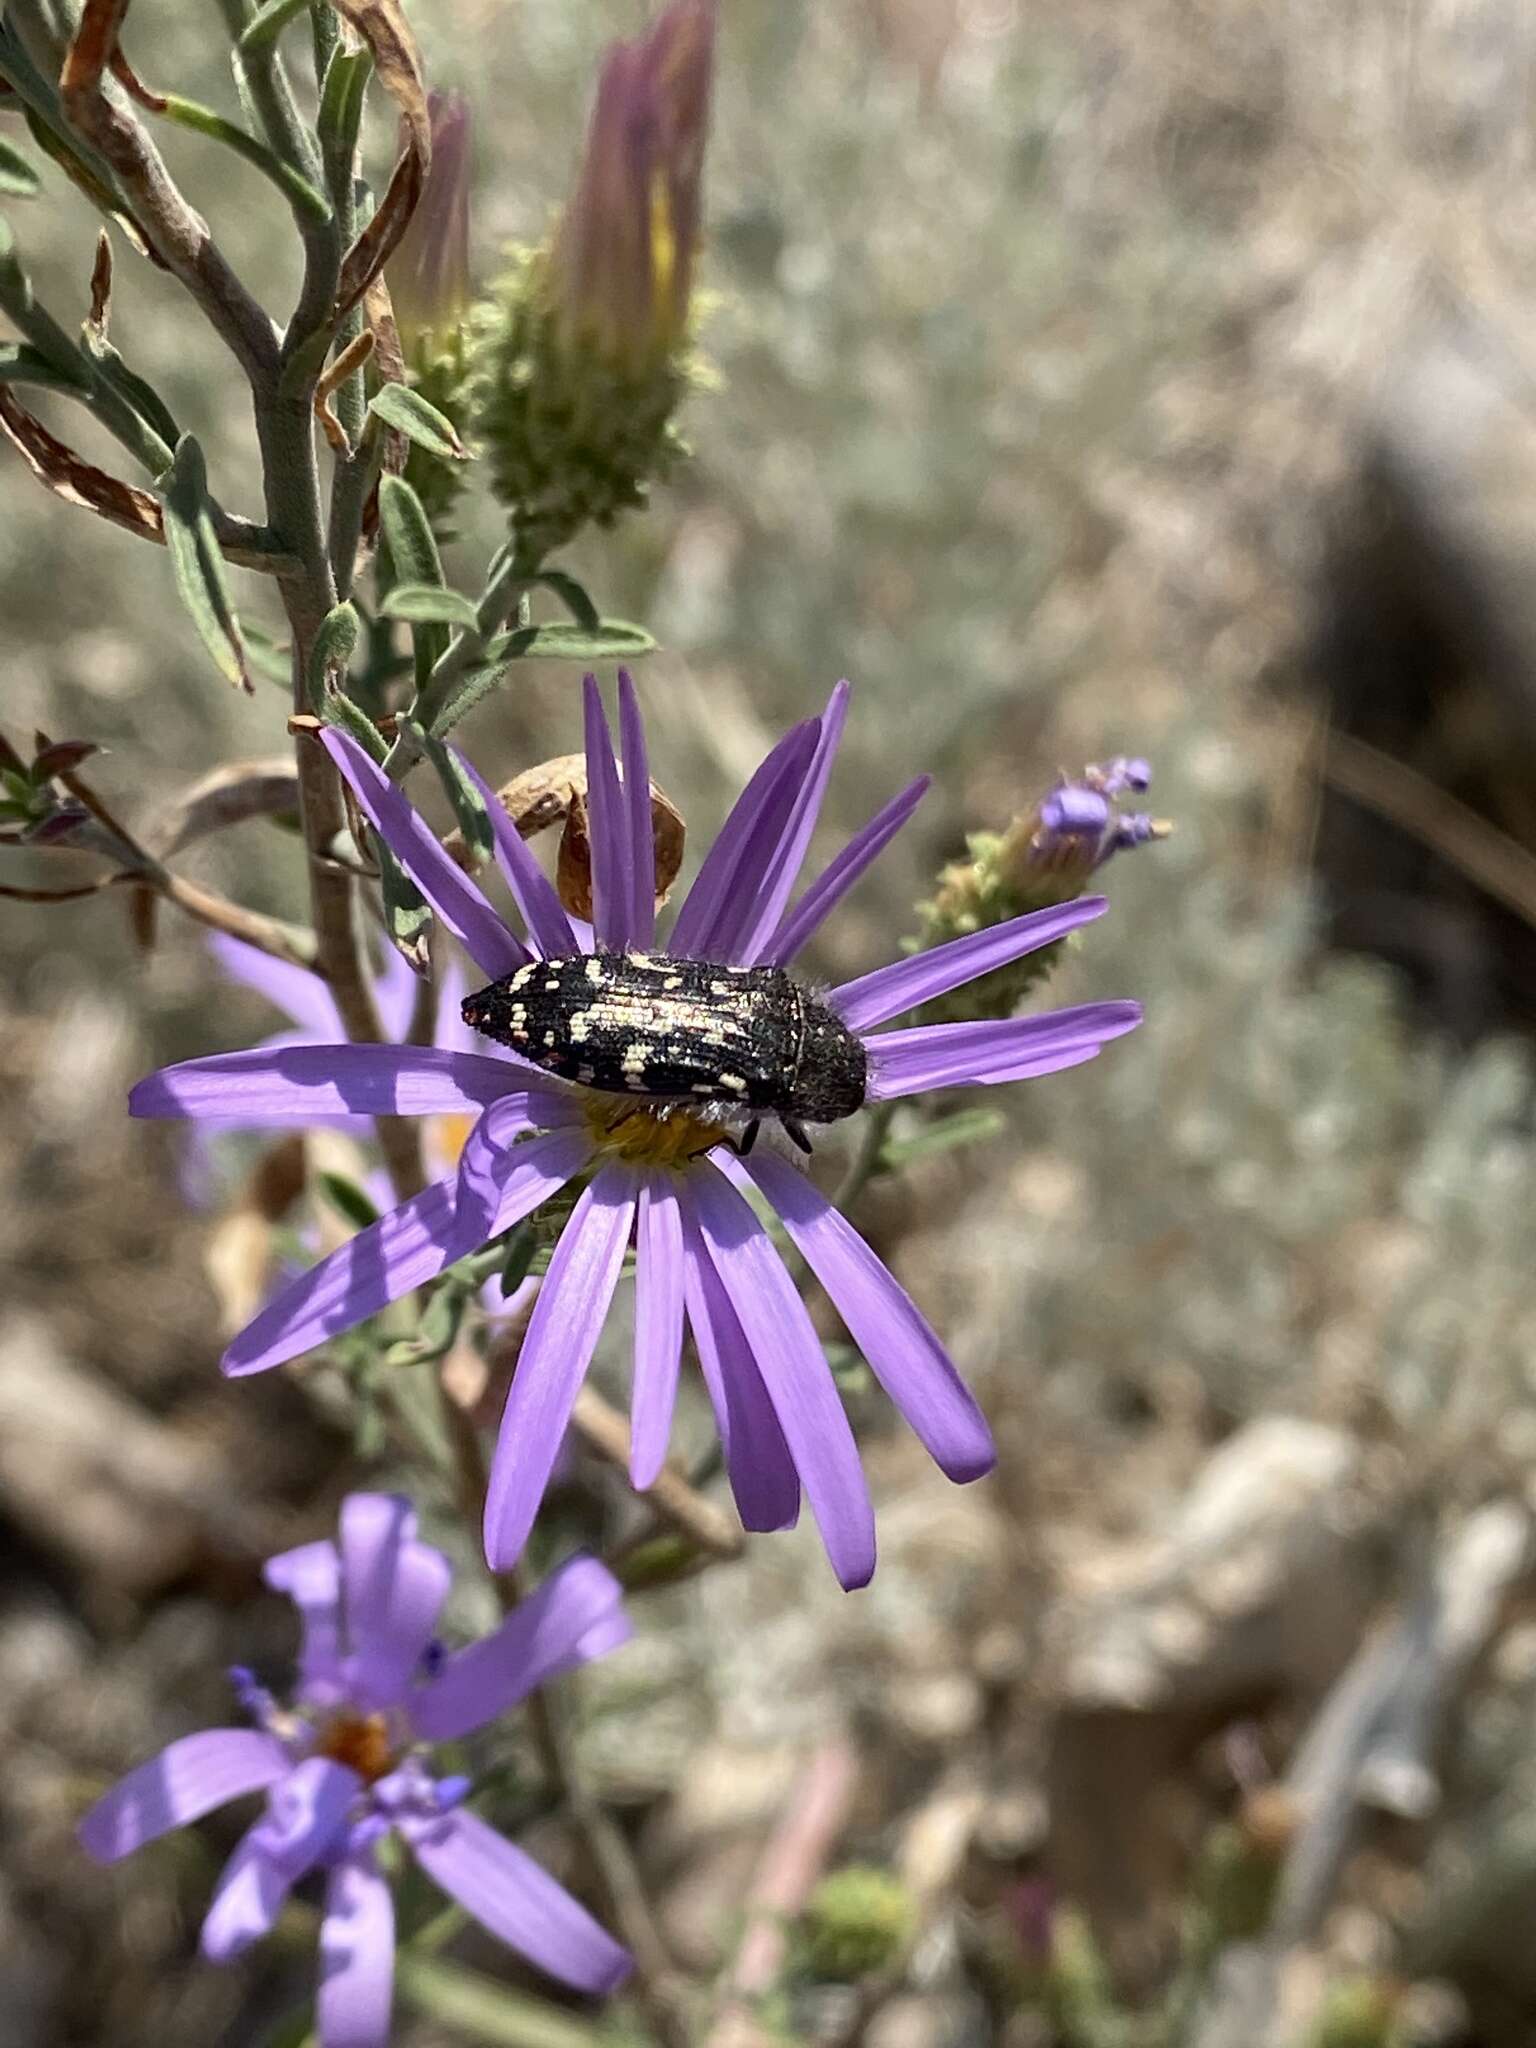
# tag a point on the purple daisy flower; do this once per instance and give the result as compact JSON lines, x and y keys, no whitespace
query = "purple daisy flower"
{"x":348,"y":1763}
{"x":661,"y":1174}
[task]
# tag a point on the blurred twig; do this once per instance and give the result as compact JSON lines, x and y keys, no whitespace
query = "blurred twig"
{"x":793,"y":1861}
{"x":1484,"y":854}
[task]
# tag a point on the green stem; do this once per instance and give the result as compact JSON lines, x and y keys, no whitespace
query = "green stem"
{"x":497,"y":600}
{"x":309,"y":204}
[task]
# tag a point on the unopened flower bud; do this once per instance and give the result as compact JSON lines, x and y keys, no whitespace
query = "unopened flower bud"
{"x":429,"y":290}
{"x":1047,"y":856}
{"x":583,"y":352}
{"x":429,"y":271}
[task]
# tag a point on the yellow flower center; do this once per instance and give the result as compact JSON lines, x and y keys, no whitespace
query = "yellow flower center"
{"x":361,"y":1742}
{"x":649,"y":1137}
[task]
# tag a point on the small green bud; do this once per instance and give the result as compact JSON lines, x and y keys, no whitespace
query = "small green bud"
{"x":857,"y":1921}
{"x":1358,"y":2012}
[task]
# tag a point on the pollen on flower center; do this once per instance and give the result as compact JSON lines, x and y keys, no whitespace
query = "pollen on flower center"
{"x":647,"y":1137}
{"x":361,"y":1742}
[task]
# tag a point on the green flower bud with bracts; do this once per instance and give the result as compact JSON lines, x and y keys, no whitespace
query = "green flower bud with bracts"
{"x":1047,"y":856}
{"x":583,"y":352}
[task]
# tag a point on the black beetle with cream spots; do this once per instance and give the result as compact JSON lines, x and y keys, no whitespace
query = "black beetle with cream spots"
{"x":680,"y":1032}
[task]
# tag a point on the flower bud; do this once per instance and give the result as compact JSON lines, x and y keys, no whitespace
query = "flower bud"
{"x":857,"y":1921}
{"x":429,"y":271}
{"x":429,"y":290}
{"x":583,"y":351}
{"x":1047,"y":856}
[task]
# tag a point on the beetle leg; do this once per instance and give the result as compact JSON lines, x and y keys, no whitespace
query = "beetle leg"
{"x":796,"y":1131}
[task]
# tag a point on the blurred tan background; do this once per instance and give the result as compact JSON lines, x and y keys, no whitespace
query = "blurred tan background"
{"x":1156,"y":378}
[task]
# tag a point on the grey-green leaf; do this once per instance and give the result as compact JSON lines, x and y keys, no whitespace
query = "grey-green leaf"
{"x":468,"y":804}
{"x":21,"y":363}
{"x":332,"y":651}
{"x":427,"y":604}
{"x":398,"y":406}
{"x":197,"y":561}
{"x":408,"y":531}
{"x":18,"y":180}
{"x":572,"y":595}
{"x":336,"y":709}
{"x":613,"y":640}
{"x":405,"y":911}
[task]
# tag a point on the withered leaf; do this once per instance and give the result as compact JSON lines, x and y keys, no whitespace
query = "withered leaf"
{"x":384,"y":28}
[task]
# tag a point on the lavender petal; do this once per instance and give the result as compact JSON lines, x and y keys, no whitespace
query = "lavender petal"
{"x":641,"y":858}
{"x":251,"y":1893}
{"x":612,"y":888}
{"x":446,"y":887}
{"x":491,"y":1151}
{"x":903,"y":1353}
{"x":795,"y":1372}
{"x":180,"y":1785}
{"x":785,"y":861}
{"x":302,"y":1084}
{"x":403,"y":1250}
{"x":357,"y":1957}
{"x":310,"y":1576}
{"x":301,"y":995}
{"x":549,"y":928}
{"x":658,"y":1328}
{"x":725,"y":888}
{"x":875,"y":998}
{"x":800,"y":925}
{"x":306,"y":1815}
{"x":1007,"y":1049}
{"x":519,"y":1903}
{"x":394,"y":1589}
{"x":395,"y":987}
{"x":764,"y":1482}
{"x":562,"y":1335}
{"x":575,"y":1615}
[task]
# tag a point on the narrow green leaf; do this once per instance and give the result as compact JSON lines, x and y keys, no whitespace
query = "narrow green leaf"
{"x":487,"y":2011}
{"x":572,"y":596}
{"x":519,"y":1259}
{"x":611,"y":640}
{"x":965,"y":1127}
{"x":405,"y":911}
{"x":15,"y":291}
{"x":130,"y":386}
{"x":268,"y":23}
{"x":337,"y":709}
{"x":348,"y":1200}
{"x":328,"y":658}
{"x":18,"y":180}
{"x":305,"y":200}
{"x":398,"y":406}
{"x":408,"y":531}
{"x":21,"y":363}
{"x":198,"y":562}
{"x":271,"y":659}
{"x":341,"y":103}
{"x":428,"y":604}
{"x":468,"y":804}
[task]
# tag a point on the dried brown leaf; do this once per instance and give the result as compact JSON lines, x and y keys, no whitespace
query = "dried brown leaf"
{"x":71,"y":477}
{"x":384,"y":28}
{"x":101,"y":287}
